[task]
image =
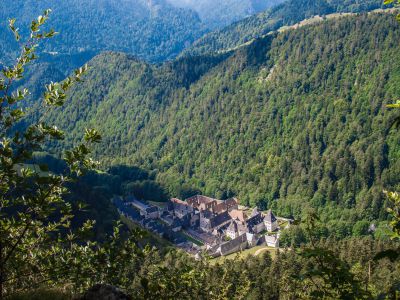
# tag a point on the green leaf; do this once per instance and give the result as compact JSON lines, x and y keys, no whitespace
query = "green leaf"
{"x":92,"y":136}
{"x":17,"y":113}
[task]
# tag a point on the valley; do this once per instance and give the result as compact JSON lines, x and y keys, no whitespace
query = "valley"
{"x":191,"y":122}
{"x":179,"y":149}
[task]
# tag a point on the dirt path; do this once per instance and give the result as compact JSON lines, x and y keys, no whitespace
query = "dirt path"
{"x":260,"y":250}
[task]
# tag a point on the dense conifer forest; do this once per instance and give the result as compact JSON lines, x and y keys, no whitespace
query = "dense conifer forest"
{"x":152,"y":30}
{"x":297,"y":121}
{"x":293,"y":121}
{"x":288,"y":13}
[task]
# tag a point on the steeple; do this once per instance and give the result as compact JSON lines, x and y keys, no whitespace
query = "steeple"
{"x":255,"y":212}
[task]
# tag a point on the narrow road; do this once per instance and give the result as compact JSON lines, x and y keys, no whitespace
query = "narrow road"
{"x":260,"y":250}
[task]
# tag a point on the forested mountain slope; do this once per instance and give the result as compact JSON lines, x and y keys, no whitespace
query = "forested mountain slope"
{"x":217,"y":14}
{"x":155,"y":31}
{"x":152,"y":30}
{"x":285,"y":14}
{"x":294,"y":120}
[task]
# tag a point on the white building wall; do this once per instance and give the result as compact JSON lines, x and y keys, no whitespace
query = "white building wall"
{"x":272,"y":241}
{"x":251,"y":239}
{"x":271,"y":226}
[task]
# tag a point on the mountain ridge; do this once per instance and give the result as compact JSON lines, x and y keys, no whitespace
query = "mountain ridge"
{"x":311,"y":21}
{"x":237,"y":127}
{"x":218,"y":14}
{"x":285,"y":14}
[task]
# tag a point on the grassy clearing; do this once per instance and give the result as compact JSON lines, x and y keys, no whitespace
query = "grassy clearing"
{"x":282,"y":224}
{"x":267,"y":232}
{"x":189,"y":238}
{"x":246,"y":253}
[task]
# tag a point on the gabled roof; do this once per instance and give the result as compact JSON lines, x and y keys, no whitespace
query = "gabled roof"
{"x":206,"y":214}
{"x":232,"y":227}
{"x":219,"y":208}
{"x":255,"y":220}
{"x":255,"y":212}
{"x":199,"y":199}
{"x":269,"y":217}
{"x":231,"y":202}
{"x":178,"y":201}
{"x":237,"y":215}
{"x":151,"y":209}
{"x":207,"y":203}
{"x":220,"y":219}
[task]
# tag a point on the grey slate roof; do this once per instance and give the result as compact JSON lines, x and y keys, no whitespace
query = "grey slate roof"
{"x":257,"y":219}
{"x":255,"y":212}
{"x":207,"y":214}
{"x":220,"y":219}
{"x":176,"y":223}
{"x":151,"y":209}
{"x":269,"y":217}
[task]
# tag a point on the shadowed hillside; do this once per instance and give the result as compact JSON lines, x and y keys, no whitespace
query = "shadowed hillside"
{"x":259,"y":123}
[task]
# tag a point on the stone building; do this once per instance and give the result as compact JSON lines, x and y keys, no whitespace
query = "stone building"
{"x":210,"y":221}
{"x":252,"y":239}
{"x":202,"y":203}
{"x":238,"y":244}
{"x":232,"y":231}
{"x":270,"y":221}
{"x":180,"y":208}
{"x":208,"y":218}
{"x":255,"y":224}
{"x":146,"y":210}
{"x":240,"y":224}
{"x":272,"y":241}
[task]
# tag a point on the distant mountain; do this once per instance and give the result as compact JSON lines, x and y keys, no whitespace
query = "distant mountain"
{"x":150,"y":29}
{"x":218,"y":14}
{"x":153,"y":30}
{"x":158,"y":30}
{"x":292,"y":121}
{"x":287,"y":13}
